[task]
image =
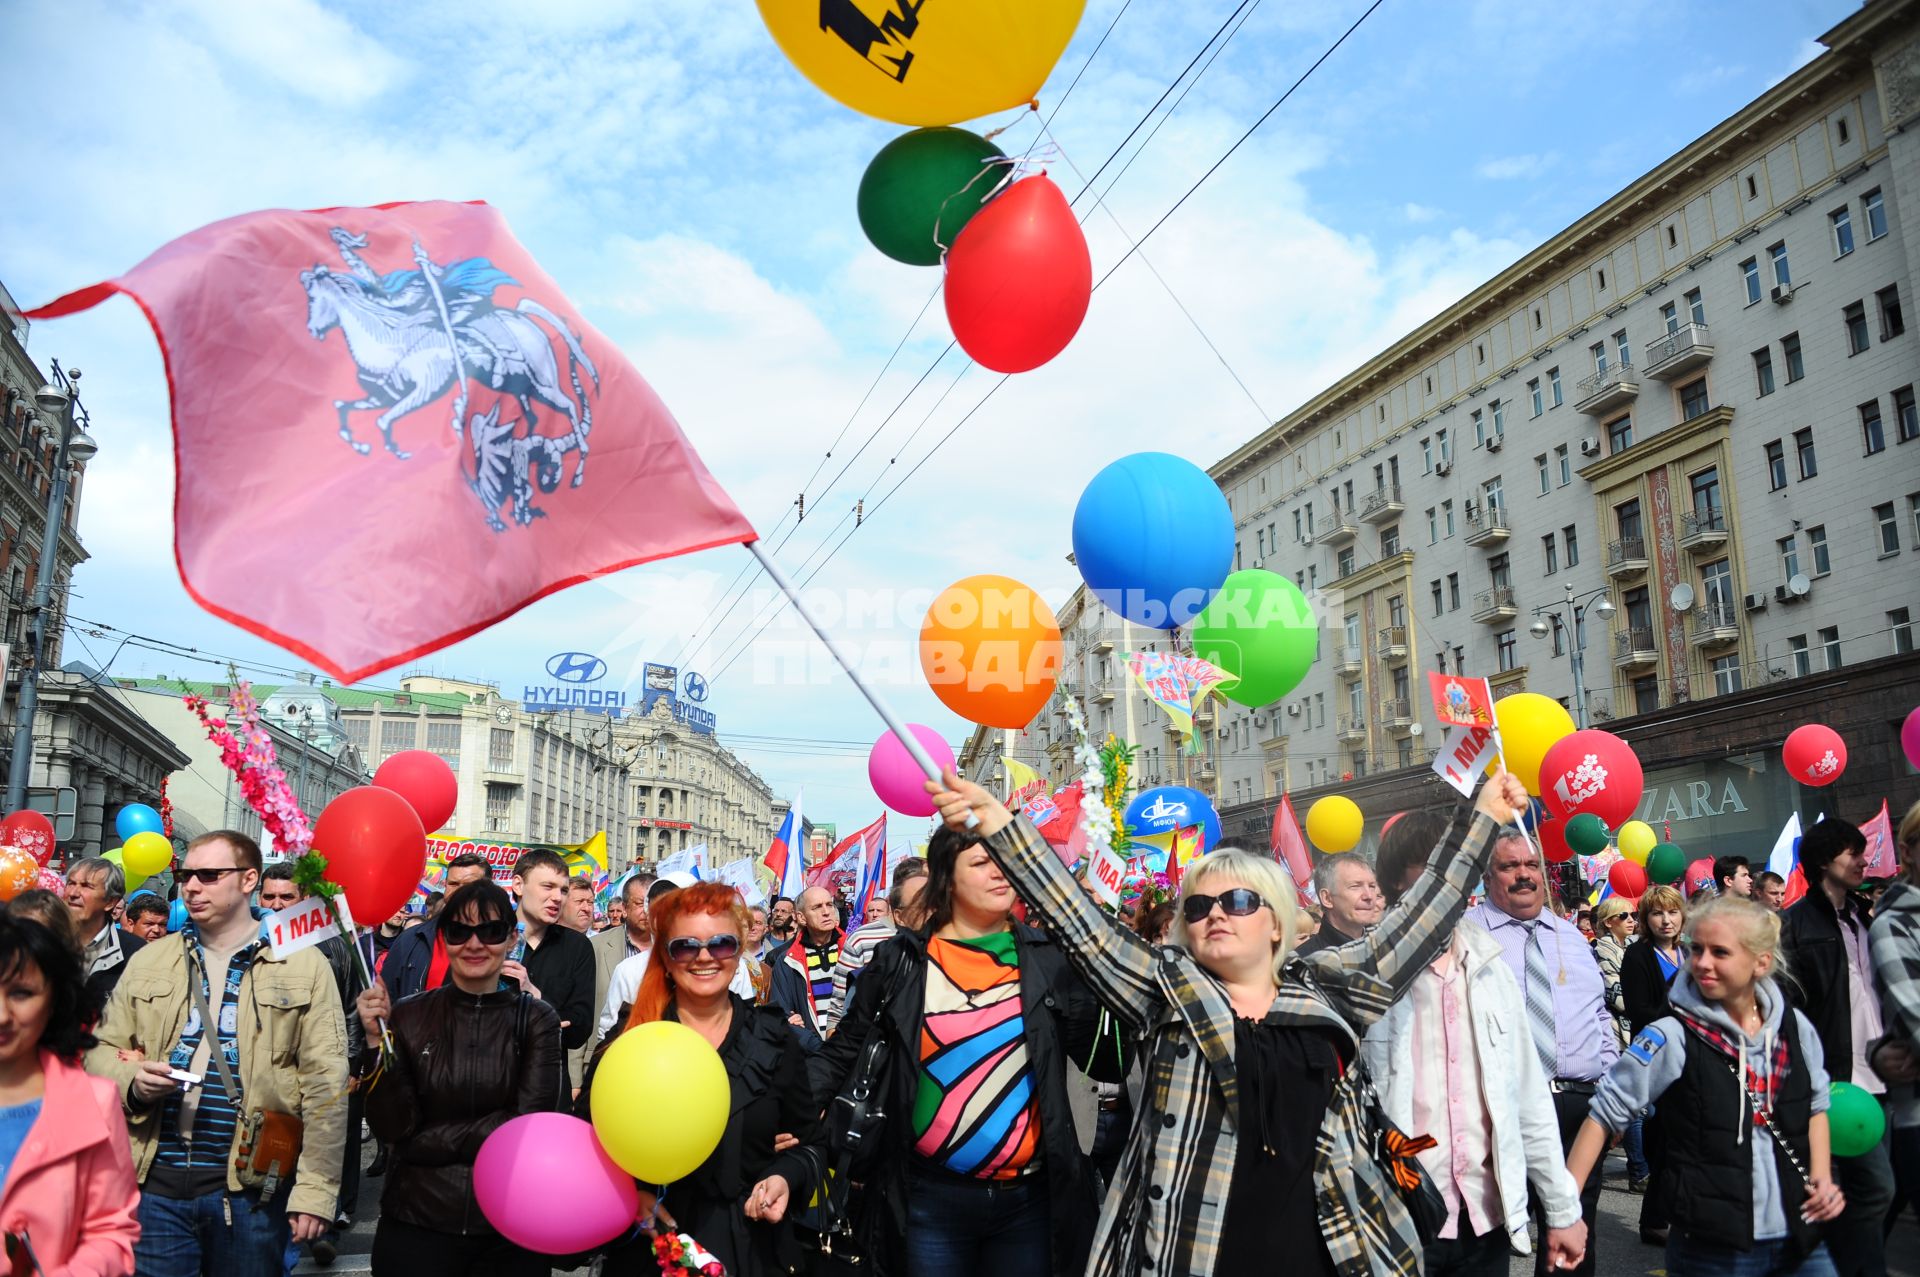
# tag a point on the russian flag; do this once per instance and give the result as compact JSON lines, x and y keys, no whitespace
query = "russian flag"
{"x":871,"y":875}
{"x":786,"y":857}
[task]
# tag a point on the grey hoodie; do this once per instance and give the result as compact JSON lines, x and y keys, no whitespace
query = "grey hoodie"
{"x":1658,"y":1054}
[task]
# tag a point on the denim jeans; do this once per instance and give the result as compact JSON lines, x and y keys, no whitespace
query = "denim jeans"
{"x":213,"y":1235}
{"x":1634,"y":1144}
{"x":964,"y":1228}
{"x":1766,"y":1259}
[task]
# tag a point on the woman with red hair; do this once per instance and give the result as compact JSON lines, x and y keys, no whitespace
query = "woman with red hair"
{"x":732,"y":1205}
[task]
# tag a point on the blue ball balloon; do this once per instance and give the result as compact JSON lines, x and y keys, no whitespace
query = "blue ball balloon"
{"x":1168,"y":807}
{"x":137,"y":818}
{"x":176,"y":915}
{"x":1153,"y":538}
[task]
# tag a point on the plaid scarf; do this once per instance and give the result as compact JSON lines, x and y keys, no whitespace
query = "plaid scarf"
{"x":1765,"y":1081}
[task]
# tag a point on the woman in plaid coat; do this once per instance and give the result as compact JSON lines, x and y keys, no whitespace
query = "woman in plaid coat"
{"x":1232,"y":983}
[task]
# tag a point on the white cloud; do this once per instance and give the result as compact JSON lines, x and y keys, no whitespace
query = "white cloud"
{"x":316,"y":53}
{"x":1704,"y":78}
{"x":1419,"y":213}
{"x":1806,"y":51}
{"x":1506,"y":167}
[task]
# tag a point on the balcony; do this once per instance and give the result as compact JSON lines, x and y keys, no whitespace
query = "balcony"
{"x":1627,"y":558}
{"x":1341,"y":531}
{"x":1348,"y":660}
{"x":1633,"y":649}
{"x":1488,"y":526}
{"x":1103,"y":644}
{"x":1392,"y":646}
{"x":1351,"y":728}
{"x":1396,"y":715}
{"x":1602,"y":393}
{"x":1680,"y":351}
{"x":1490,"y":607}
{"x":502,"y":772}
{"x":1714,"y":625}
{"x":1103,"y":696}
{"x":1383,"y":504}
{"x":1703,"y":530}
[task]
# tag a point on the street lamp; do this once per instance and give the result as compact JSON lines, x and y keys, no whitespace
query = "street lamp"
{"x":1576,"y":607}
{"x":59,"y":402}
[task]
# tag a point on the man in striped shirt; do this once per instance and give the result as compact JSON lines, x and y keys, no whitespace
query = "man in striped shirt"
{"x":903,"y":901}
{"x":803,"y":967}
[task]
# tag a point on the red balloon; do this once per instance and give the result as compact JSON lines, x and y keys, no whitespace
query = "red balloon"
{"x":31,"y":832}
{"x":1627,"y":879}
{"x":425,"y":781}
{"x":1019,"y":278}
{"x":1553,"y":842}
{"x":376,"y":850}
{"x":1592,"y":771}
{"x":1815,"y":754}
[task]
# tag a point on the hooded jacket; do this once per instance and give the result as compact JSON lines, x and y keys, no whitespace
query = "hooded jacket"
{"x":1894,"y":944}
{"x":1817,"y":983}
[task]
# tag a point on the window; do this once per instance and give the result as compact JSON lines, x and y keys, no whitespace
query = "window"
{"x":1566,"y":464}
{"x":1913,"y":508}
{"x":1726,"y":674}
{"x":1495,"y":497}
{"x":1602,"y":273}
{"x":1446,"y":449}
{"x":1892,"y":322}
{"x":1536,"y":397}
{"x":1433,"y":526}
{"x":1559,"y":638}
{"x":1546,"y":475}
{"x":1446,"y":515}
{"x":1716,"y":586}
{"x":1500,"y":572}
{"x":1781,"y":275}
{"x":1553,"y":380}
{"x":1479,"y":428}
{"x":1500,"y":415}
{"x":1802,"y":657}
{"x":1260,"y":542}
{"x":1508,"y":650}
{"x":444,"y":739}
{"x":1906,"y":421}
{"x":1789,"y":557}
{"x":1842,"y":223}
{"x":1855,"y":318}
{"x":1870,"y":432}
{"x":1840,"y":130}
{"x":1693,"y":399}
{"x":396,"y":736}
{"x":1750,"y":275}
{"x":1570,"y":543}
{"x":1776,"y":465}
{"x":1426,"y":455}
{"x":1309,"y":519}
{"x":1803,"y":450}
{"x":1620,"y":434}
{"x":1889,"y":526}
{"x":1620,"y":346}
{"x":1343,"y":565}
{"x":1696,"y":305}
{"x":1874,"y":210}
{"x":1599,"y":352}
{"x":1550,"y":550}
{"x":1830,"y":645}
{"x":1436,"y":599}
{"x":1646,"y":691}
{"x":1753,"y":188}
{"x":1480,"y":353}
{"x":1706,"y":494}
{"x":1763,"y":370}
{"x":1390,"y":541}
{"x":1671,"y":314}
{"x":1638,"y":605}
{"x":1453,"y":591}
{"x":1297,"y":537}
{"x":1790,"y":349}
{"x":500,"y":750}
{"x":1900,"y":623}
{"x":1817,"y":543}
{"x":1539,"y":321}
{"x":1673,"y":236}
{"x":1626,"y":518}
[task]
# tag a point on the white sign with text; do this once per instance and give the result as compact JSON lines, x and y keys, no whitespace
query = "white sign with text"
{"x":1104,"y":874}
{"x":304,"y":925}
{"x":1465,"y":757}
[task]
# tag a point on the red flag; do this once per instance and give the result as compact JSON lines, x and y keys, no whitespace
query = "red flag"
{"x":1290,"y":849}
{"x":1796,"y":886}
{"x":1461,"y":701}
{"x":1881,"y":859}
{"x":298,"y":343}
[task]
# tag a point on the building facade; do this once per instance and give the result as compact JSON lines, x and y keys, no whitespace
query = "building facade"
{"x":686,"y":787}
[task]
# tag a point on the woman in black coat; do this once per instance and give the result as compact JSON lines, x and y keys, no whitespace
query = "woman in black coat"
{"x":1646,"y":973}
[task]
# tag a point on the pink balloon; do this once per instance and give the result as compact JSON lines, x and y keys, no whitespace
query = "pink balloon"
{"x":515,"y":1175}
{"x":897,"y":778}
{"x":1910,"y":737}
{"x":1814,"y":754}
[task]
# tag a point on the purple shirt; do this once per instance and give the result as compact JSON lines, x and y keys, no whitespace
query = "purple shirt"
{"x":1583,"y":1032}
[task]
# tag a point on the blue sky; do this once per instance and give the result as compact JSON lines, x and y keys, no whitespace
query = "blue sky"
{"x":694,"y":196}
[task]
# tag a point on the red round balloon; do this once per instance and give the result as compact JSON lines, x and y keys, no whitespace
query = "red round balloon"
{"x":31,"y":832}
{"x":1627,"y":879}
{"x":376,"y":850}
{"x":1592,"y":771}
{"x":425,"y":781}
{"x":1815,"y":754}
{"x":1019,"y":278}
{"x":1553,"y":842}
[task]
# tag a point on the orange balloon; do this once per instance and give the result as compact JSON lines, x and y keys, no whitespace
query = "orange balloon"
{"x":18,"y":872}
{"x":990,"y":647}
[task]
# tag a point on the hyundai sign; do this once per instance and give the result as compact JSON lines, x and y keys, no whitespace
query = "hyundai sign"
{"x":570,"y":685}
{"x":663,"y":683}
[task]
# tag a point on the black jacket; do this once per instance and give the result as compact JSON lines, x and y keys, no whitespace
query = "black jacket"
{"x":562,"y":969}
{"x":403,"y":969}
{"x":100,"y":983}
{"x":1643,"y":987}
{"x":463,"y":1065}
{"x":1816,"y":977}
{"x":1062,"y":1022}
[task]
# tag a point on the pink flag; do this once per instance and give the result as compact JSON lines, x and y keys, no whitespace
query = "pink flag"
{"x":1881,"y":859}
{"x":1290,"y":849}
{"x":391,"y":430}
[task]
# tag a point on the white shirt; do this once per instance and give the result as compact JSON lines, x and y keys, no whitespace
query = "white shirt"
{"x":1447,"y":1100}
{"x":624,"y":986}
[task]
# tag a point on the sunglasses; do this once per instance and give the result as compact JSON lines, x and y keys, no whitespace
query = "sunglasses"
{"x":685,"y":949}
{"x":1237,"y":902}
{"x":492,"y":931}
{"x":208,"y":876}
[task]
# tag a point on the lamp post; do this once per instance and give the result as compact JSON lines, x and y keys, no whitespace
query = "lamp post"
{"x":59,"y":403}
{"x":1576,"y":607}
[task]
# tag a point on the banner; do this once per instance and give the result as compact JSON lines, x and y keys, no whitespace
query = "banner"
{"x":1290,"y":849}
{"x":1177,"y":684}
{"x":1881,"y":859}
{"x":739,"y":875}
{"x":1461,"y":702}
{"x":589,"y":857}
{"x":1463,"y":759}
{"x":1023,"y":783}
{"x":691,"y":861}
{"x":870,"y":869}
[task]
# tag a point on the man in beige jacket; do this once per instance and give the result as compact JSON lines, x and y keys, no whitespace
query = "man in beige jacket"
{"x":207,"y":1072}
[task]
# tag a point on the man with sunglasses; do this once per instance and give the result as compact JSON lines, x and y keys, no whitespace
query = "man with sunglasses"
{"x":210,"y":1037}
{"x":553,"y":962}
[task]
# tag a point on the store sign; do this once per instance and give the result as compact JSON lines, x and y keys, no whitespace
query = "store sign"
{"x":662,"y":682}
{"x":651,"y":823}
{"x":571,"y":676}
{"x":501,"y":856}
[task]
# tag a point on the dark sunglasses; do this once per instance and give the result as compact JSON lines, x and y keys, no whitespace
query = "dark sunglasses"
{"x":685,"y":949}
{"x":492,"y":931}
{"x":208,"y":875}
{"x":1237,"y":902}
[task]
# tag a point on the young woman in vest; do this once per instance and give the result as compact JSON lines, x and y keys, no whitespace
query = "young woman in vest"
{"x":1742,"y":1097}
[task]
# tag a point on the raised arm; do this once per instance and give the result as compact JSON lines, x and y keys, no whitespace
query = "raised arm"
{"x":1116,"y":964}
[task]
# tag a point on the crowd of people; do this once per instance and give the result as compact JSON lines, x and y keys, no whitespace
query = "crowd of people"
{"x":992,"y":1072}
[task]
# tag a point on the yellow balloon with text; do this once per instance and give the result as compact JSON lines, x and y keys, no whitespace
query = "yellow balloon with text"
{"x":650,"y":1140}
{"x":1635,"y":839}
{"x":146,"y":854}
{"x":917,"y":63}
{"x":1334,"y":824}
{"x":1529,"y":724}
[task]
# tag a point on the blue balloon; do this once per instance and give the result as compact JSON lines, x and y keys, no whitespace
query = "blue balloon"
{"x":1168,"y":807}
{"x":1153,"y":538}
{"x":137,"y":818}
{"x":177,"y":915}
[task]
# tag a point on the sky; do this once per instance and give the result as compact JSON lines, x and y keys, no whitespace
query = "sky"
{"x":694,"y":197}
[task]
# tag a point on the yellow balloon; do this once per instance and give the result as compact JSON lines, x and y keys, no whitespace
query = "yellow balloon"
{"x":1334,"y":824}
{"x":1529,"y":724}
{"x":652,"y":1141}
{"x":917,"y":63}
{"x":146,"y":854}
{"x":1636,"y":838}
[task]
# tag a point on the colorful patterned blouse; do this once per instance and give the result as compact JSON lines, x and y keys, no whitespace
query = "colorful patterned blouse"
{"x":974,"y":1113}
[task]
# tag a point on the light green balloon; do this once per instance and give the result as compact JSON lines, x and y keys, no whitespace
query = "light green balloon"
{"x":1261,"y":629}
{"x":114,"y":856}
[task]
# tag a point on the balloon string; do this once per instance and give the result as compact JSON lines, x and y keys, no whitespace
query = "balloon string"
{"x":1033,"y":104}
{"x":1013,"y":167}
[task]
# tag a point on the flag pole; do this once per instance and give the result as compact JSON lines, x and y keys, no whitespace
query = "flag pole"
{"x":893,"y":721}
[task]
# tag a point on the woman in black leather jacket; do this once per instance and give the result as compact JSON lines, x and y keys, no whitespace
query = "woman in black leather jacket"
{"x":467,"y":1058}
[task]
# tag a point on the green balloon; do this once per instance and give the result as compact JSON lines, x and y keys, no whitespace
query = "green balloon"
{"x":114,"y":856}
{"x":924,"y":184}
{"x":1666,"y":863}
{"x":1261,"y":629}
{"x":1855,"y":1121}
{"x":1587,"y":834}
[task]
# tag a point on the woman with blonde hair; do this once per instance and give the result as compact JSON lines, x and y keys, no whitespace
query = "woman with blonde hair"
{"x":1893,"y":942}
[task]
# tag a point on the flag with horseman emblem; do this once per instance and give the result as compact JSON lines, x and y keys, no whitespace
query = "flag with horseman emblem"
{"x":391,"y":430}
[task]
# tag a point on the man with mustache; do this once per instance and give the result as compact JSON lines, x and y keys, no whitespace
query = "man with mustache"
{"x":1564,"y":997}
